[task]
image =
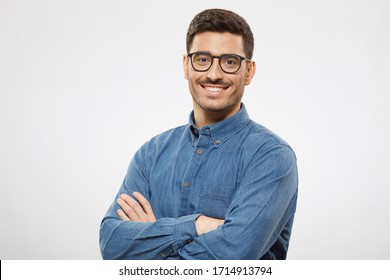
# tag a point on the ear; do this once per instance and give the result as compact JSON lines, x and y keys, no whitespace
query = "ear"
{"x":185,"y":66}
{"x":250,"y":72}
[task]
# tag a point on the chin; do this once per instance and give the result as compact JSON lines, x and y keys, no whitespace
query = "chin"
{"x":216,"y":107}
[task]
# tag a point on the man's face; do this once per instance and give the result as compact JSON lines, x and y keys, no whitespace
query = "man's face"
{"x":215,"y":91}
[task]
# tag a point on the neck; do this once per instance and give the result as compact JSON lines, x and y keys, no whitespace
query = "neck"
{"x":203,"y":117}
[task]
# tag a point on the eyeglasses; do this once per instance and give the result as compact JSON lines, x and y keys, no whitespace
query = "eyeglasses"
{"x":229,"y":63}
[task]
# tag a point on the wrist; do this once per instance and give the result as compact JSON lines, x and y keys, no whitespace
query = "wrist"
{"x":206,"y":224}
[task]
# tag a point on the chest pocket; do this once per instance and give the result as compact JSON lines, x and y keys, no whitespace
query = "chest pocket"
{"x":215,"y":201}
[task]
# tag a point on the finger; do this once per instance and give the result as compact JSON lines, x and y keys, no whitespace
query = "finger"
{"x":144,"y":203}
{"x":147,"y":208}
{"x":135,"y":207}
{"x":127,"y":209}
{"x":123,"y":215}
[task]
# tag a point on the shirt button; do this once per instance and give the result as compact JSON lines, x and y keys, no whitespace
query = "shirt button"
{"x":199,"y":152}
{"x":186,"y":184}
{"x":163,"y":255}
{"x":217,"y":141}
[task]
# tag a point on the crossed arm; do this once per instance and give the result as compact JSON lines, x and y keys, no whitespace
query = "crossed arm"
{"x":138,"y":209}
{"x":259,"y":217}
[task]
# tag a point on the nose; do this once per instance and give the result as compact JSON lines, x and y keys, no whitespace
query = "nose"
{"x":215,"y":72}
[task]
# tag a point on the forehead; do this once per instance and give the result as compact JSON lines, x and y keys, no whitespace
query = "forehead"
{"x":218,"y":43}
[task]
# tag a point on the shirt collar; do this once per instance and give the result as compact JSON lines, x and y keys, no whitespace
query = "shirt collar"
{"x":223,"y":130}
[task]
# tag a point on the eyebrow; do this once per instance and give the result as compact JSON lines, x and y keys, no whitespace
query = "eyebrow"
{"x":207,"y":52}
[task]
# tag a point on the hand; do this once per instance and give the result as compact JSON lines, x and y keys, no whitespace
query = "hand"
{"x":206,"y":224}
{"x":136,"y":210}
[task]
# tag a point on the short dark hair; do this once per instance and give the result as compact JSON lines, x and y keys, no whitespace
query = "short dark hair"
{"x":219,"y":20}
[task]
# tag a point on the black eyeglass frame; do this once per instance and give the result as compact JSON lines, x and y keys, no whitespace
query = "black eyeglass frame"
{"x":190,"y":55}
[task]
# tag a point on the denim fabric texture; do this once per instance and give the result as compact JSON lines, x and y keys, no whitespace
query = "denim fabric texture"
{"x":236,"y":170}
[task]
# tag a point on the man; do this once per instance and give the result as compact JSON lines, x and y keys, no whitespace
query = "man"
{"x":220,"y":187}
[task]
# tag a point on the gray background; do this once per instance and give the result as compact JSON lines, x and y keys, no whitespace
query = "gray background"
{"x":84,"y":83}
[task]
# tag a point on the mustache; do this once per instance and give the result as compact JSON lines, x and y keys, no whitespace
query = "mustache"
{"x":217,"y":82}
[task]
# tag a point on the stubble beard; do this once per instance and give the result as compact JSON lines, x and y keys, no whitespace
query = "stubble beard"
{"x":213,"y":105}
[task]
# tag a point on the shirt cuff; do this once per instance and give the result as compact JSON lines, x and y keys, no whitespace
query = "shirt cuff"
{"x":185,"y":228}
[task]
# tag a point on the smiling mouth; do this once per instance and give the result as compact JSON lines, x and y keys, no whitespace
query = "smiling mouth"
{"x":214,"y":89}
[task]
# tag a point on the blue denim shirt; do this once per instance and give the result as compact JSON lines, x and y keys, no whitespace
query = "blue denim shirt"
{"x":235,"y":170}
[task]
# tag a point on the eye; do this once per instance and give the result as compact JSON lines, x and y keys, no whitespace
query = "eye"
{"x":230,"y":60}
{"x":202,"y":59}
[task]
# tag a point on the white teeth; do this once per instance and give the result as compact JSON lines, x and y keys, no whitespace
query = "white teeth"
{"x":214,"y":89}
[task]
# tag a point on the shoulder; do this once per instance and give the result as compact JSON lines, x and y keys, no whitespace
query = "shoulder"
{"x":168,"y":135}
{"x":264,"y":137}
{"x":270,"y":155}
{"x":264,"y":144}
{"x":164,"y":140}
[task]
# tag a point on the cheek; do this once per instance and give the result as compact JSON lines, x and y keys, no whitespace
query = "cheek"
{"x":243,"y":80}
{"x":193,"y":77}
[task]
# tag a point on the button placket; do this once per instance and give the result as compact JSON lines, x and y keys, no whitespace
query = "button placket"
{"x":189,"y":180}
